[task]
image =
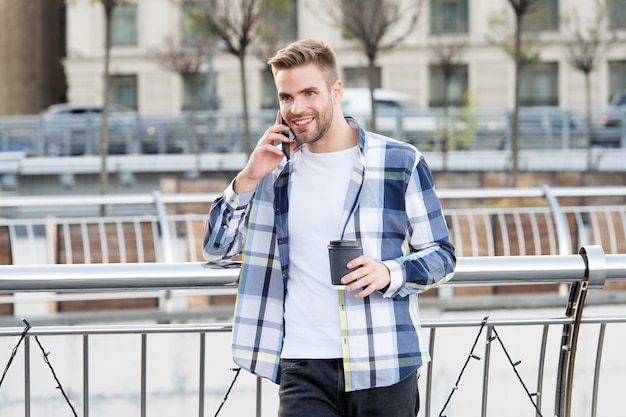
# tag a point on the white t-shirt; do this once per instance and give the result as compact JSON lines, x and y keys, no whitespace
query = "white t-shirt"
{"x":319,"y":185}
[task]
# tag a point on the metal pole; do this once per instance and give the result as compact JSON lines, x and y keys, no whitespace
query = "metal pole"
{"x":429,"y":372}
{"x":542,"y":366}
{"x":85,"y":375}
{"x":27,"y":376}
{"x":258,"y":397}
{"x":202,"y":374}
{"x":596,"y":376}
{"x":144,"y":360}
{"x":488,"y":337}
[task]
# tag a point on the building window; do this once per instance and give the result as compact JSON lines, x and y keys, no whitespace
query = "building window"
{"x":123,"y":90}
{"x":539,"y":84}
{"x":617,"y":77}
{"x":269,"y":95}
{"x":124,"y":25}
{"x":452,"y":93}
{"x":191,"y":35}
{"x":617,"y":14}
{"x":448,"y":16}
{"x":282,"y":21}
{"x":196,"y":88}
{"x":542,"y":15}
{"x":357,"y":77}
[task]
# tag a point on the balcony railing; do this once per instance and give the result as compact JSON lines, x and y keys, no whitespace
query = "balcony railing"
{"x":572,"y":361}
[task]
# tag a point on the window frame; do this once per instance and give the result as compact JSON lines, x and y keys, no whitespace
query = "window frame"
{"x":459,"y":74}
{"x":125,"y":16}
{"x":439,"y":23}
{"x":617,"y":15}
{"x":358,"y":77}
{"x":118,"y":81}
{"x":534,"y":74}
{"x":542,"y":16}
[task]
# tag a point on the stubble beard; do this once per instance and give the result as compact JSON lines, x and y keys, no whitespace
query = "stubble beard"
{"x":324,"y":120}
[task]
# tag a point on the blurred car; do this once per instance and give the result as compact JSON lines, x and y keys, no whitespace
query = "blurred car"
{"x":76,"y":129}
{"x":17,"y":147}
{"x":356,"y":102}
{"x":617,"y":110}
{"x":396,"y":115}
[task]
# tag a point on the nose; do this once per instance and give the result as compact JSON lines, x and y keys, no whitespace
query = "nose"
{"x":297,"y":105}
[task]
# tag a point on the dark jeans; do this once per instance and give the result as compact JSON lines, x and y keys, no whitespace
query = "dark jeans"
{"x":315,"y":388}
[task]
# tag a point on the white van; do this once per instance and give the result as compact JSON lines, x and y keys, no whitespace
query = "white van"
{"x":396,"y":114}
{"x":357,"y":100}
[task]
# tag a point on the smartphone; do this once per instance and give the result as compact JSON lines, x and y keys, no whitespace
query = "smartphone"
{"x":286,"y":150}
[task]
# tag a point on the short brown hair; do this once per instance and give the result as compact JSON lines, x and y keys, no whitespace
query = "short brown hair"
{"x":308,"y":51}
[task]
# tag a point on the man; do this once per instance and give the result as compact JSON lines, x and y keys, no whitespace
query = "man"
{"x":352,"y":352}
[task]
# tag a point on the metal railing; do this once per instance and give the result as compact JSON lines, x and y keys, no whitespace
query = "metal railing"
{"x":589,"y":269}
{"x":221,"y":132}
{"x":168,"y":227}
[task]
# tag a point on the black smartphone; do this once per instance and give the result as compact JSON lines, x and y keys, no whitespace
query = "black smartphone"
{"x":284,"y":146}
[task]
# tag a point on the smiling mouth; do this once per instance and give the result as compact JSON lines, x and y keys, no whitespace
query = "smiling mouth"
{"x":303,"y":122}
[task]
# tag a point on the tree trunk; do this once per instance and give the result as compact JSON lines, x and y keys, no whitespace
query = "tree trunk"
{"x":447,"y":124}
{"x":371,"y":79}
{"x":588,"y":120}
{"x":244,"y":93}
{"x":515,"y":118}
{"x":109,"y":5}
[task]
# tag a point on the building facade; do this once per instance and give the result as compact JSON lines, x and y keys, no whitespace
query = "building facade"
{"x":482,"y":73}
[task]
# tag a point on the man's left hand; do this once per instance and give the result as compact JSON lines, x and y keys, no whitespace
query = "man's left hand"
{"x":370,"y":276}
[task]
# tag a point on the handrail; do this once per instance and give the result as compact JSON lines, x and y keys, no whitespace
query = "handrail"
{"x":591,"y":264}
{"x":487,"y":270}
{"x":443,"y":193}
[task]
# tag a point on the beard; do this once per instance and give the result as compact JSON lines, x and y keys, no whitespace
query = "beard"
{"x":322,"y":122}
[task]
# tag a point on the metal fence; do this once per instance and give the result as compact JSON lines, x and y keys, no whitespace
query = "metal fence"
{"x":544,"y":385}
{"x":168,"y":227}
{"x":222,"y":132}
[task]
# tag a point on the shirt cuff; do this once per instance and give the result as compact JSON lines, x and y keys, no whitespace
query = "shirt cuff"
{"x":397,"y":279}
{"x":237,"y":200}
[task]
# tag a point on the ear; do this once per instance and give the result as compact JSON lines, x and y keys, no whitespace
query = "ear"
{"x":337,"y":91}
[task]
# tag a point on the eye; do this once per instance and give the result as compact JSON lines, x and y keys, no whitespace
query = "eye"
{"x":309,"y":93}
{"x":285,"y":98}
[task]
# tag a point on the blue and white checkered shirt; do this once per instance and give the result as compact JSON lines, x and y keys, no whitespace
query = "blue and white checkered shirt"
{"x":392,"y":209}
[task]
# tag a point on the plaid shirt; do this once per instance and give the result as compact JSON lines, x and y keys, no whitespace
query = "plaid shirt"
{"x":392,"y":209}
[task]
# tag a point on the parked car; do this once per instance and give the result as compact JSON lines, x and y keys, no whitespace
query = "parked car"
{"x":356,"y":102}
{"x":617,"y":110}
{"x":396,"y":115}
{"x":75,"y":130}
{"x":16,"y":147}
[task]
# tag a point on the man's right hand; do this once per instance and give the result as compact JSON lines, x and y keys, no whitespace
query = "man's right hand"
{"x":265,"y":157}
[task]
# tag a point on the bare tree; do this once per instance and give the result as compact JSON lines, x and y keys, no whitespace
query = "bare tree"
{"x":109,"y":6}
{"x":376,"y":25}
{"x":521,"y":45}
{"x":236,"y":23}
{"x":448,"y":52}
{"x":185,"y":59}
{"x":275,"y":31}
{"x":587,"y":45}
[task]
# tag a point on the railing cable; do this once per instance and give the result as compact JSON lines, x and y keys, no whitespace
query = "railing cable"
{"x":237,"y":370}
{"x":46,"y":360}
{"x":473,"y":356}
{"x":469,"y":357}
{"x":514,"y":366}
{"x":14,"y":352}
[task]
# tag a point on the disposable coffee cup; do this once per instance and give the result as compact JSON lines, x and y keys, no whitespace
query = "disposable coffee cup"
{"x":340,"y":252}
